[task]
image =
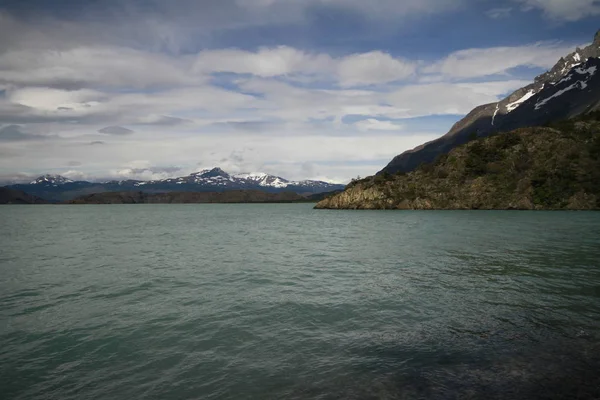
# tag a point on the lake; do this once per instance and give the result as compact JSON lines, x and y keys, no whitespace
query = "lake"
{"x":282,"y":301}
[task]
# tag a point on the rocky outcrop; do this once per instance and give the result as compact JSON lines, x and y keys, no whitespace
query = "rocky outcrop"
{"x":542,"y":168}
{"x":570,"y":88}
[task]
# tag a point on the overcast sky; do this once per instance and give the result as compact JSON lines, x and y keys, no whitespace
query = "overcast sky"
{"x":304,"y":89}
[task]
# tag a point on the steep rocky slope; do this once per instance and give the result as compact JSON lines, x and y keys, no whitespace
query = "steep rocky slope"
{"x":539,"y":168}
{"x":570,"y":88}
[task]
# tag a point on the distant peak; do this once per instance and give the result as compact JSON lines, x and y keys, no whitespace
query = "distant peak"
{"x":51,"y":179}
{"x":214,"y":172}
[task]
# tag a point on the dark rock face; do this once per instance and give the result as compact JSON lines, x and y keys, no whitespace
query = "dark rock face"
{"x":570,"y":88}
{"x":234,"y":196}
{"x":540,"y":168}
{"x":13,"y":196}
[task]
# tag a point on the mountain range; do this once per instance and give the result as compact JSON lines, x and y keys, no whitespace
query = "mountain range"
{"x":59,"y":188}
{"x":570,"y":88}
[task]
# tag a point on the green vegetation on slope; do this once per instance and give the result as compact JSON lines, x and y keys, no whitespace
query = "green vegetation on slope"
{"x":552,"y":167}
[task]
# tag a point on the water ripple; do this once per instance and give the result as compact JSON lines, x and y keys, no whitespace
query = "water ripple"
{"x":281,"y":301}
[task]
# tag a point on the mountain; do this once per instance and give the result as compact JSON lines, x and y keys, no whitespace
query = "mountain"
{"x":58,"y":188}
{"x":51,"y":180}
{"x":539,"y":168}
{"x":570,"y":88}
{"x":13,"y":196}
{"x":232,"y":196}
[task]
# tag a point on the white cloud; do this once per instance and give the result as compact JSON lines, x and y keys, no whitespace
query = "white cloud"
{"x":64,"y":81}
{"x":499,"y":13}
{"x":356,"y":69}
{"x":266,"y":62}
{"x":373,"y":67}
{"x":564,"y":10}
{"x":372,"y":124}
{"x":138,"y":158}
{"x":472,"y":63}
{"x":445,"y":98}
{"x":47,"y":99}
{"x":95,"y":66}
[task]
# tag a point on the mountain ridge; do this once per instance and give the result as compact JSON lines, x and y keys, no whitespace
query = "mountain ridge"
{"x":534,"y":168}
{"x":521,"y":108}
{"x":59,"y":188}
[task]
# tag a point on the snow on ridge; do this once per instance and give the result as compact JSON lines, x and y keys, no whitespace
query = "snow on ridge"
{"x":251,"y":175}
{"x":588,"y":71}
{"x":495,"y":112}
{"x":51,"y":179}
{"x":576,"y":85}
{"x":515,"y":104}
{"x":264,"y":179}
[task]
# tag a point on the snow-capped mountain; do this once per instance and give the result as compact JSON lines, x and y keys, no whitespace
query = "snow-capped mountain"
{"x":262,"y":179}
{"x":219,"y":178}
{"x":56,"y":187}
{"x":51,"y":180}
{"x":570,"y":88}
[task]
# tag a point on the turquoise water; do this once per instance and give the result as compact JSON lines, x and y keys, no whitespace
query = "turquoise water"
{"x":282,"y":301}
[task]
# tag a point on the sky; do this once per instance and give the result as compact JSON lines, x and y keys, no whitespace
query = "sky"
{"x":303,"y":89}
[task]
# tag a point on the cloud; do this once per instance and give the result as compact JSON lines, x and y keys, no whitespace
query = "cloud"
{"x":163,"y":120}
{"x":471,"y":63}
{"x":371,"y":68}
{"x":146,"y":173}
{"x":460,"y":98}
{"x":221,"y":81}
{"x":499,"y":13}
{"x":251,"y":126}
{"x":351,"y":70}
{"x":74,"y":164}
{"x":372,"y":124}
{"x":561,"y":10}
{"x":266,"y":62}
{"x":116,"y":130}
{"x":375,"y":9}
{"x":105,"y":66}
{"x":53,"y":100}
{"x":15,"y":133}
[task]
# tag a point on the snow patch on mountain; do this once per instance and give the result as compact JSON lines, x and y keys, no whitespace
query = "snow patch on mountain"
{"x":588,"y":71}
{"x":515,"y":104}
{"x":264,"y":180}
{"x":577,"y":85}
{"x":50,"y":180}
{"x":495,"y":112}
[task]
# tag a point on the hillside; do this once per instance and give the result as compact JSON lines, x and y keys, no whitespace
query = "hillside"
{"x":233,"y":196}
{"x":570,"y":88}
{"x":540,"y":168}
{"x":13,"y":196}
